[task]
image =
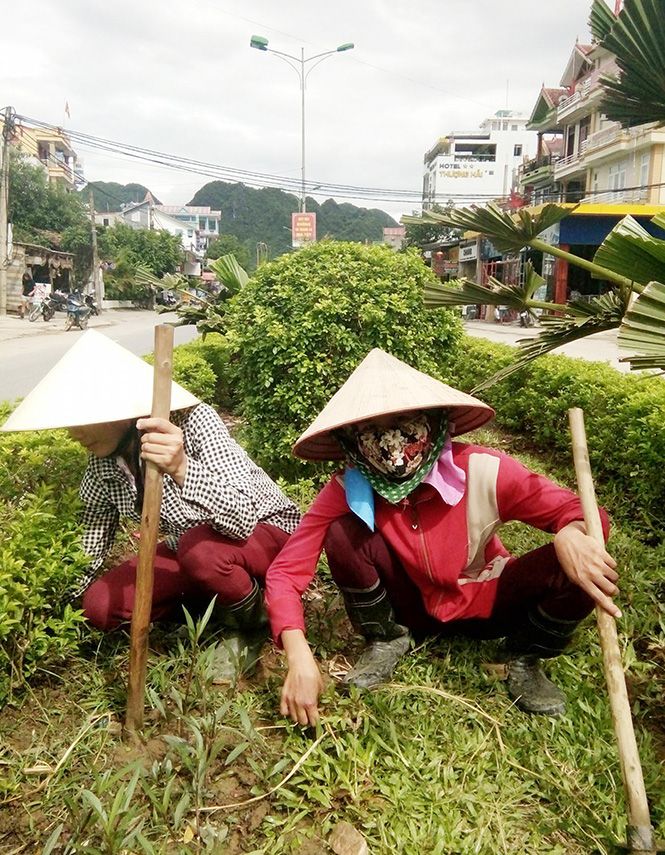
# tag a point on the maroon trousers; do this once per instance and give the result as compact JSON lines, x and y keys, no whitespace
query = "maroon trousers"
{"x":206,"y":564}
{"x":358,"y":558}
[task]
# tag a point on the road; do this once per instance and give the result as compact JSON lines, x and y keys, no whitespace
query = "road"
{"x":601,"y":347}
{"x":28,"y":351}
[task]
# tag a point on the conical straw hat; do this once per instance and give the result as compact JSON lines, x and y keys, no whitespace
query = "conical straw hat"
{"x":381,"y":385}
{"x":96,"y":381}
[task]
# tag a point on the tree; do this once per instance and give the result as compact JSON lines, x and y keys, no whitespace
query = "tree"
{"x":630,"y":259}
{"x":158,"y":251}
{"x":420,"y":233}
{"x":111,"y":196}
{"x":229,"y":245}
{"x":298,"y":328}
{"x":38,"y":210}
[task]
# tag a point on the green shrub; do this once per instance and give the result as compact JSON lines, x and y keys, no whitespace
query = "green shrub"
{"x":305,"y":321}
{"x":40,"y":556}
{"x":624,"y":417}
{"x":192,"y":371}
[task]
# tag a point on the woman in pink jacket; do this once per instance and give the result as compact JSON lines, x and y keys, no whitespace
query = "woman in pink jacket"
{"x":409,"y":529}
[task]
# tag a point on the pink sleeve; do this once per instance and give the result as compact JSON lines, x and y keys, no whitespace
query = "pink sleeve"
{"x":294,"y":568}
{"x":531,"y":498}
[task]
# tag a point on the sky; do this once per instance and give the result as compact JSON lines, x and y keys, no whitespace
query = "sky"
{"x":179,"y":77}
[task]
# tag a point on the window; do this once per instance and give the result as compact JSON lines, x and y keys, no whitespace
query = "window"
{"x":475,"y":151}
{"x":517,"y":151}
{"x":106,"y":221}
{"x":617,"y":180}
{"x":513,"y":127}
{"x":644,"y":171}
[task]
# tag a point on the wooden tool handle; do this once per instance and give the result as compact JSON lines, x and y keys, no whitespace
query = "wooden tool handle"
{"x":152,"y":502}
{"x":640,"y":832}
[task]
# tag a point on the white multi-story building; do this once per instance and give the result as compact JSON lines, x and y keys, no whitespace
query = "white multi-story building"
{"x":477,"y":167}
{"x":198,"y":219}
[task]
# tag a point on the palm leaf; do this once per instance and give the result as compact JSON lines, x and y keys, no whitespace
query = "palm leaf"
{"x":464,"y":292}
{"x":637,"y":39}
{"x":581,"y":320}
{"x":229,"y":273}
{"x":631,"y":251}
{"x":508,"y":232}
{"x":601,"y":20}
{"x":643,"y":328}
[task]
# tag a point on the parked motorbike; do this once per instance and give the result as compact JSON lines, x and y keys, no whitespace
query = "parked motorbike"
{"x":59,"y":301}
{"x":526,"y":318}
{"x":91,"y":303}
{"x":77,"y":312}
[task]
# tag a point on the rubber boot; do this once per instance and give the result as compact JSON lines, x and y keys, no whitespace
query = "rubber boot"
{"x":541,"y":636}
{"x":245,"y":628}
{"x":372,"y":615}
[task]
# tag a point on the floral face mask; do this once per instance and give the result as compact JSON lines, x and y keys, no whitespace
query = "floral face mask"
{"x":398,"y":450}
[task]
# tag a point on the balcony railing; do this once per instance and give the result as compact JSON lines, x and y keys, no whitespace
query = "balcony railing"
{"x":571,"y":160}
{"x":535,"y":165}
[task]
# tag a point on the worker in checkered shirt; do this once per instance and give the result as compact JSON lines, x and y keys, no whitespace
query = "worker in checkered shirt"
{"x":224,"y":519}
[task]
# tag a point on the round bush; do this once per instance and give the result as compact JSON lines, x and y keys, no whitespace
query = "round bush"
{"x":305,"y":321}
{"x":193,"y":372}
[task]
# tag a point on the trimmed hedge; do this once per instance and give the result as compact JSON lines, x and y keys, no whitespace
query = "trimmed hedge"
{"x":304,"y":322}
{"x":624,"y":416}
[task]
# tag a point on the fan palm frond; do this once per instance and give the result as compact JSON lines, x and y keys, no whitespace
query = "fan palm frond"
{"x":508,"y":232}
{"x":637,"y":39}
{"x":601,"y":20}
{"x":643,"y":328}
{"x":464,"y":292}
{"x":229,"y":273}
{"x":581,"y":320}
{"x":630,"y":250}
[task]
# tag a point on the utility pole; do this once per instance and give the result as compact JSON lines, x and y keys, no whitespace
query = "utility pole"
{"x":7,"y":134}
{"x":97,"y":283}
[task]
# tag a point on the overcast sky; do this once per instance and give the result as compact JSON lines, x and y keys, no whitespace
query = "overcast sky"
{"x":180,"y":78}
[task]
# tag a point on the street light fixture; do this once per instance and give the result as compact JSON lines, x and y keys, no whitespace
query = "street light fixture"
{"x":260,"y":43}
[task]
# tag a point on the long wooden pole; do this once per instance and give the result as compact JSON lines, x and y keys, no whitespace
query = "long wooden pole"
{"x":640,"y":830}
{"x":152,"y":502}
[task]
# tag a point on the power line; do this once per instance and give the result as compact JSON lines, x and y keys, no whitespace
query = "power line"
{"x":262,"y":180}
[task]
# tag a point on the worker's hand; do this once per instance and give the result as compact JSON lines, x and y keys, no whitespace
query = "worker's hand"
{"x":303,"y":684}
{"x":588,"y":564}
{"x":161,"y":443}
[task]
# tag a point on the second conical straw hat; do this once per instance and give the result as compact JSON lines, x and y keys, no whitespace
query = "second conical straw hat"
{"x":96,"y":381}
{"x":382,"y":385}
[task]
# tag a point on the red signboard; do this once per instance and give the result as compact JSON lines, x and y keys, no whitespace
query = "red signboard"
{"x":303,"y":228}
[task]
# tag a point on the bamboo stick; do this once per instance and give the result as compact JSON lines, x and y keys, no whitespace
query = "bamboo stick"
{"x":640,"y":830}
{"x":152,"y":501}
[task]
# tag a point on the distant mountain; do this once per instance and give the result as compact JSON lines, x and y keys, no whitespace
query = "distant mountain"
{"x":110,"y":196}
{"x":264,"y":216}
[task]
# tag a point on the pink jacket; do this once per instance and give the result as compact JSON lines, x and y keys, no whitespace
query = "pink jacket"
{"x":451,"y":553}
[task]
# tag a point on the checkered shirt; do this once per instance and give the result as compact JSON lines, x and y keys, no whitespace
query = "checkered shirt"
{"x":223,"y":488}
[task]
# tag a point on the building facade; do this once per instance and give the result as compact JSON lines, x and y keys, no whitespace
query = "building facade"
{"x":476,"y":167}
{"x":595,"y":160}
{"x":52,"y":150}
{"x":200,"y":220}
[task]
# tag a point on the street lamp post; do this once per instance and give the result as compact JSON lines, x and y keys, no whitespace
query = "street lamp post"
{"x":299,"y":65}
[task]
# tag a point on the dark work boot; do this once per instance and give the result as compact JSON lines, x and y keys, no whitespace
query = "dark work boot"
{"x":540,"y":636}
{"x":372,"y":615}
{"x":245,"y":628}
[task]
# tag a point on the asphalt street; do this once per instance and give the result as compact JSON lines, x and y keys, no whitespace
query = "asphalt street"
{"x":601,"y":347}
{"x":29,"y":350}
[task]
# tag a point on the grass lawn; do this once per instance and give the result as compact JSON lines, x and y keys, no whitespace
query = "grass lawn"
{"x":439,"y":761}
